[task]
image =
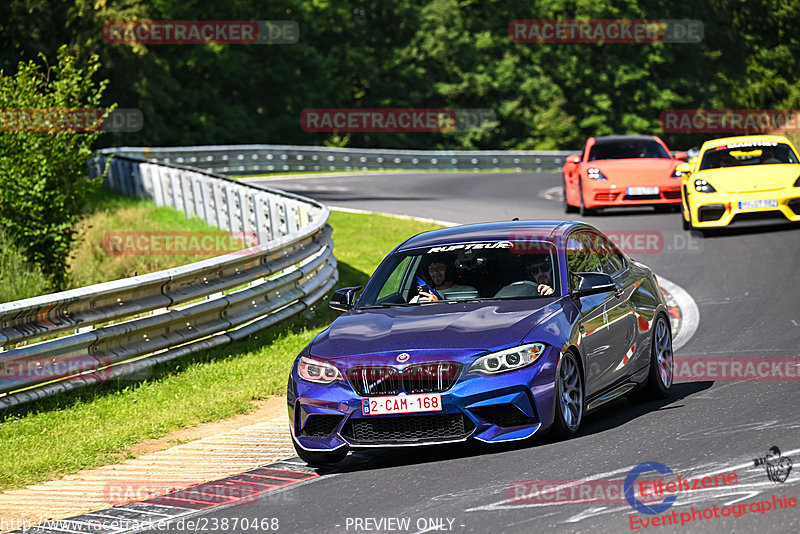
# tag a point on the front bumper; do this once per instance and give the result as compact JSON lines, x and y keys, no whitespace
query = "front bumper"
{"x":714,"y":210}
{"x":505,"y":407}
{"x":610,"y":195}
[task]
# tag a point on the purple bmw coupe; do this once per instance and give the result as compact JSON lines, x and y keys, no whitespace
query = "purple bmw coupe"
{"x":491,"y":331}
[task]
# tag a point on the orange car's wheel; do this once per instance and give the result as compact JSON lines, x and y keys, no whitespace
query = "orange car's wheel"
{"x":583,"y":210}
{"x":568,"y":208}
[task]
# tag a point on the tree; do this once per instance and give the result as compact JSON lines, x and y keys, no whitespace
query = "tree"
{"x":43,"y":184}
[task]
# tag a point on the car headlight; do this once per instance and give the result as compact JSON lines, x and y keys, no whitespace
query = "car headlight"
{"x":317,"y":371}
{"x":701,"y":186}
{"x":507,"y":360}
{"x":595,"y":174}
{"x":676,"y":174}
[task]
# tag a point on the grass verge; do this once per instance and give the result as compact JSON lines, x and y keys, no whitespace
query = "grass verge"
{"x":98,"y":425}
{"x":18,"y":279}
{"x":117,"y":235}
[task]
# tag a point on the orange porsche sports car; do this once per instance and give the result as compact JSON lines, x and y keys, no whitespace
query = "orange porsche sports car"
{"x":622,"y":170}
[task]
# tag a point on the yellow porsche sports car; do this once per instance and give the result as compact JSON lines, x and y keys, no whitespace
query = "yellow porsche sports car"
{"x":747,"y":179}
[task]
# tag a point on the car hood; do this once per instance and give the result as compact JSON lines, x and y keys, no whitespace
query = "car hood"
{"x":636,"y":172}
{"x":459,"y":328}
{"x":752,"y":178}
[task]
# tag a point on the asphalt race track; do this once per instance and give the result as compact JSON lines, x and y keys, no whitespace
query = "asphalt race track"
{"x":745,"y":284}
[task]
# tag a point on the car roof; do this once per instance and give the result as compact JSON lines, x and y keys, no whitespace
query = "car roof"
{"x":611,"y":138}
{"x":743,"y":139}
{"x":493,"y":231}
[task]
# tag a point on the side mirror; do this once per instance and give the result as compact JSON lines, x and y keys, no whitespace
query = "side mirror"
{"x":683,"y":168}
{"x":574,"y":159}
{"x":679,"y":154}
{"x":344,"y":299}
{"x":593,"y":283}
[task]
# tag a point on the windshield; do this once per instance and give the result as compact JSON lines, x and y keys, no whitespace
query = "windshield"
{"x":627,"y":149}
{"x":741,"y":154}
{"x":465,"y":271}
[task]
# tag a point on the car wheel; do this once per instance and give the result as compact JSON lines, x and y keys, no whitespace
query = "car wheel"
{"x":583,"y":210}
{"x":687,"y":225}
{"x":320,"y":457}
{"x":568,"y":208}
{"x":569,"y":396}
{"x":659,"y":378}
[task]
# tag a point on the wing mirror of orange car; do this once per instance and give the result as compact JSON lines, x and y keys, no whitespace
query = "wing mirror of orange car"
{"x":683,"y":168}
{"x":574,"y":158}
{"x":679,"y":154}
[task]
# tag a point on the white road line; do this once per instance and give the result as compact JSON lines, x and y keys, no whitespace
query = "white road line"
{"x":394,"y":215}
{"x":690,"y":314}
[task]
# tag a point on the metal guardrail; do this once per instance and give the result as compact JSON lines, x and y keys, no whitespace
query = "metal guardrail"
{"x":255,"y":159}
{"x":66,"y":340}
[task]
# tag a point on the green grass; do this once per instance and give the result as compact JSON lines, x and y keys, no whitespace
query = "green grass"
{"x":117,"y":217}
{"x":95,"y":426}
{"x":18,"y":279}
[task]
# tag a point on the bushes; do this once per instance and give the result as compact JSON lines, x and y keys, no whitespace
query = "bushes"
{"x":17,"y":279}
{"x":42,"y":173}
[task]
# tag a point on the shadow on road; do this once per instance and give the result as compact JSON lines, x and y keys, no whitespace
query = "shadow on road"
{"x":610,"y":416}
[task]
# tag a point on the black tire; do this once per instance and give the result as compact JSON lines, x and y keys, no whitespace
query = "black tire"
{"x":687,"y":225}
{"x":567,"y":207}
{"x":661,"y":373}
{"x":318,"y":457}
{"x":569,"y":389}
{"x":583,"y":210}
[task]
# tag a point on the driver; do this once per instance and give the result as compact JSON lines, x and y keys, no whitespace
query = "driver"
{"x":540,"y":271}
{"x":439,"y":271}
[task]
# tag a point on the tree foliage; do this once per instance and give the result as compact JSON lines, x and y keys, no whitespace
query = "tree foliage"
{"x":421,"y":53}
{"x":43,"y":182}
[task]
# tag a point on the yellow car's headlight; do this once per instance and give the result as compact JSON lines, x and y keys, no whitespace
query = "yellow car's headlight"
{"x":702,"y":186}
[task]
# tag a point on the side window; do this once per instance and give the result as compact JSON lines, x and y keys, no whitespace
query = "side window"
{"x":581,"y":256}
{"x":392,"y":284}
{"x":610,"y":258}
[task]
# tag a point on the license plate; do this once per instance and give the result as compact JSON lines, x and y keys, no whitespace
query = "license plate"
{"x":429,"y":402}
{"x":754,"y":204}
{"x":641,"y":191}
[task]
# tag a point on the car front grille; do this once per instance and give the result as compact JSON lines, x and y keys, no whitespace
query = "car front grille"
{"x":794,"y":205}
{"x":504,"y":415}
{"x":767,"y":217}
{"x":431,"y":377}
{"x":710,"y":212}
{"x":320,"y":425}
{"x":407,"y":429}
{"x":642,"y":197}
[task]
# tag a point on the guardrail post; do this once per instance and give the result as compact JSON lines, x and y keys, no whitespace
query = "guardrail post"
{"x":217,"y":205}
{"x":233,"y":219}
{"x":274,"y":218}
{"x":261,"y":218}
{"x":186,"y":190}
{"x":177,"y":201}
